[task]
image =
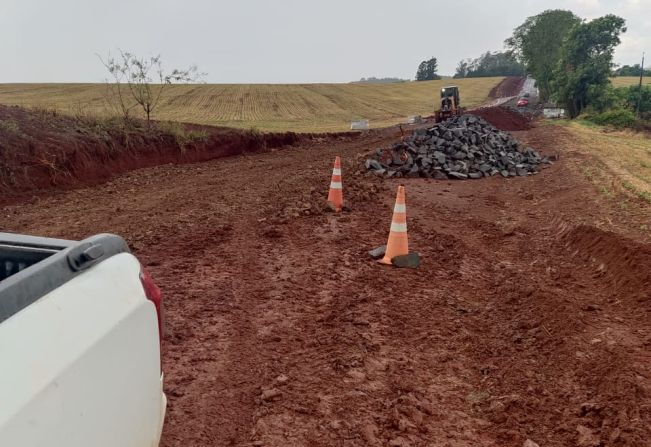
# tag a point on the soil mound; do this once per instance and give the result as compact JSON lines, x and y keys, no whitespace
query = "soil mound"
{"x":504,"y":118}
{"x":623,"y":261}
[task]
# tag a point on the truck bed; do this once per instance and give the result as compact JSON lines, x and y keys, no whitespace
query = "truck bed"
{"x":80,"y":341}
{"x":30,"y":267}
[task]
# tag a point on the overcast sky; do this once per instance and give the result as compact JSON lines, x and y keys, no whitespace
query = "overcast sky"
{"x":277,"y":41}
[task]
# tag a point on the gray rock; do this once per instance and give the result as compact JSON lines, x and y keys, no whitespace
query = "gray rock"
{"x":378,"y":252}
{"x":460,"y":146}
{"x":440,"y":157}
{"x":373,"y":165}
{"x":458,"y":175}
{"x":413,"y":172}
{"x":412,"y":261}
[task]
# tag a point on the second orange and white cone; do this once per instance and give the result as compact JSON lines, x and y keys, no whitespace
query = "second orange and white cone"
{"x":398,"y":243}
{"x":336,"y":193}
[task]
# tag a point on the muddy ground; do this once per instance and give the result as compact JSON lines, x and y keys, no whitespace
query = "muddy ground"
{"x":528,"y":319}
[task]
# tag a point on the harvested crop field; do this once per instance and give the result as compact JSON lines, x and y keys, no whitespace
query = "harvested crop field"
{"x":625,"y":81}
{"x":268,"y":107}
{"x":529,"y":318}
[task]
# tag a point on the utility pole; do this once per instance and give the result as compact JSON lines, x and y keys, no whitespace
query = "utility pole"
{"x":639,"y":99}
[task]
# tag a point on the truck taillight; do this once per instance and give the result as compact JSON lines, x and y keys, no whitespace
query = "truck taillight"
{"x":153,"y":294}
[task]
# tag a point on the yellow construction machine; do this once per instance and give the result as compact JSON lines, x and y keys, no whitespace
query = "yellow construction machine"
{"x":450,"y":104}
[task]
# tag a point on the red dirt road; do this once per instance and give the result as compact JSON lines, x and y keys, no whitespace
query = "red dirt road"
{"x":528,"y":319}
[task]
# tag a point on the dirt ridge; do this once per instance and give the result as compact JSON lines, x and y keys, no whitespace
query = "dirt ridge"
{"x":44,"y":151}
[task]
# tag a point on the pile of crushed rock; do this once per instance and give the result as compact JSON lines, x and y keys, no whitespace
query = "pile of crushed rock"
{"x":461,"y":147}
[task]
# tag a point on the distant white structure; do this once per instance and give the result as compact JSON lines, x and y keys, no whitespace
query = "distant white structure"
{"x":359,"y":125}
{"x":554,"y":112}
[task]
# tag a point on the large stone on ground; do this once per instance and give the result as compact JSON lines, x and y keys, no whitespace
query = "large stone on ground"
{"x":412,"y":261}
{"x":378,"y":252}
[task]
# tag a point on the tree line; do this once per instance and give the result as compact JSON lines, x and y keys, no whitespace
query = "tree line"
{"x":490,"y":64}
{"x":570,"y":58}
{"x":631,"y":70}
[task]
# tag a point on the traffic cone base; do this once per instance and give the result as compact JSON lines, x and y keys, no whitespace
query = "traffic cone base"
{"x":336,"y":193}
{"x":398,"y":243}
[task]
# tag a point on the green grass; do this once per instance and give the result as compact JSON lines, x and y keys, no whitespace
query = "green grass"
{"x":642,"y":194}
{"x":268,"y":107}
{"x":626,"y":154}
{"x":9,"y":126}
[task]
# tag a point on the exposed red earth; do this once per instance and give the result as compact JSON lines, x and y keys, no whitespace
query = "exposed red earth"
{"x":510,"y":86}
{"x":504,"y":118}
{"x":529,"y":318}
{"x":43,"y":150}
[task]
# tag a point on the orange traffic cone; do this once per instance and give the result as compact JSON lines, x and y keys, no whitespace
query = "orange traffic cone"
{"x":398,"y":244}
{"x":336,"y":194}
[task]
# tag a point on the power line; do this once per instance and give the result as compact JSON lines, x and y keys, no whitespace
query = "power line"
{"x":639,"y":99}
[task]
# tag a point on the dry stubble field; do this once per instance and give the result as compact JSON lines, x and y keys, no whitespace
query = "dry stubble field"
{"x":267,"y":107}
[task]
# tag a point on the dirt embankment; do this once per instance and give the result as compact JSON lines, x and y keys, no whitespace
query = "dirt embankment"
{"x":504,"y":118}
{"x":510,"y":86}
{"x":500,"y":116}
{"x":42,"y":150}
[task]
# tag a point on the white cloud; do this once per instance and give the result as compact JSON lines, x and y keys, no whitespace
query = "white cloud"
{"x":590,"y":4}
{"x":631,"y":48}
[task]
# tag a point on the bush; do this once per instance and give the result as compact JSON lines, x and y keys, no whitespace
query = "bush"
{"x":181,"y":133}
{"x":10,"y":126}
{"x":632,"y":94}
{"x":606,"y":98}
{"x":615,"y":118}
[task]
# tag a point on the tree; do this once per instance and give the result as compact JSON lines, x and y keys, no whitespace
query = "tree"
{"x":490,"y":64}
{"x":631,"y":70}
{"x":421,"y":73}
{"x":638,"y":99}
{"x":375,"y":80}
{"x":537,"y":44}
{"x":427,"y":70}
{"x":462,"y":68}
{"x":583,"y":71}
{"x":145,"y":81}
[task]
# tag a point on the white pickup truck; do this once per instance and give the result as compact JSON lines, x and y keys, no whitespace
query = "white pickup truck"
{"x":80,"y":339}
